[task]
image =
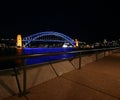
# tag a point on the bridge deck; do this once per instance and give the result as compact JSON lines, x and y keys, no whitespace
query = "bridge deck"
{"x":96,"y":81}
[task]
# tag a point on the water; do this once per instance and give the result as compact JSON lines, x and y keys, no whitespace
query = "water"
{"x":30,"y":61}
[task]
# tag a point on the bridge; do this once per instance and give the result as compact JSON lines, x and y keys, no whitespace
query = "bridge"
{"x":48,"y":36}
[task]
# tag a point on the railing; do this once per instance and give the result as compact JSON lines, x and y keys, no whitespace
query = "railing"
{"x":24,"y":67}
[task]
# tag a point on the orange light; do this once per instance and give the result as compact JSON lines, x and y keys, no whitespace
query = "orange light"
{"x":76,"y":43}
{"x":19,"y":40}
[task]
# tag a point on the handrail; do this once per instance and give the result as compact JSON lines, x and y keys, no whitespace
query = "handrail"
{"x":81,"y":51}
{"x":52,"y":54}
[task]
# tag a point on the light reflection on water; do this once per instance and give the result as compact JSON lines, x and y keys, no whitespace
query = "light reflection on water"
{"x":43,"y":59}
{"x":36,"y":60}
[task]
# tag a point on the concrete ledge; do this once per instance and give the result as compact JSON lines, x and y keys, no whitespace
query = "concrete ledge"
{"x":8,"y":86}
{"x":75,"y":63}
{"x":107,"y":53}
{"x":100,"y":55}
{"x":39,"y":75}
{"x":62,"y":67}
{"x":88,"y":59}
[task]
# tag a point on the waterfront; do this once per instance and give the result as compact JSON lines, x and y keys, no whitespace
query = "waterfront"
{"x":95,"y":81}
{"x":29,"y":61}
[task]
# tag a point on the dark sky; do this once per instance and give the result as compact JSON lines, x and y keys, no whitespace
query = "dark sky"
{"x":87,"y":20}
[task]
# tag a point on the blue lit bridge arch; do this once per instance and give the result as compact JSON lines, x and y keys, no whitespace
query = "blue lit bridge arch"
{"x":48,"y":36}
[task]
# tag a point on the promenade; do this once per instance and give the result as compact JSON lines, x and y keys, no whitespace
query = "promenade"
{"x":98,"y":80}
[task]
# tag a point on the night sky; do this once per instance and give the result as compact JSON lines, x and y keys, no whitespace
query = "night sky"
{"x":89,"y":21}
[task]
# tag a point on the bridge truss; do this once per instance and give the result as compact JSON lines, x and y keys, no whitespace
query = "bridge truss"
{"x":48,"y":36}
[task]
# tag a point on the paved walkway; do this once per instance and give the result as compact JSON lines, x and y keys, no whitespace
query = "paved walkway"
{"x":96,"y":81}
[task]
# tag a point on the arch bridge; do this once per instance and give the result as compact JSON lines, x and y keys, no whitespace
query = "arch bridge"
{"x":48,"y":36}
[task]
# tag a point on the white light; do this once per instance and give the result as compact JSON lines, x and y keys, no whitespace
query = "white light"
{"x":64,"y":46}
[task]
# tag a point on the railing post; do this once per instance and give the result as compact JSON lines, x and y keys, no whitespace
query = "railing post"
{"x":17,"y":80}
{"x":24,"y":78}
{"x":96,"y":55}
{"x":79,"y":60}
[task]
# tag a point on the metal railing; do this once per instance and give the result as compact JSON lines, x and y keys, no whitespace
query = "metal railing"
{"x":24,"y":67}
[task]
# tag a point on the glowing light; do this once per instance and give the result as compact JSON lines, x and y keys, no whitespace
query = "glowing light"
{"x":19,"y":40}
{"x":65,"y":45}
{"x":76,"y":43}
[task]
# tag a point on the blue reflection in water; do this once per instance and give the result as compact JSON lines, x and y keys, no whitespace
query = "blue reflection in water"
{"x":43,"y":59}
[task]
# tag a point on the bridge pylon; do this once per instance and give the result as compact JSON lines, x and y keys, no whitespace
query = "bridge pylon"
{"x":19,"y":41}
{"x":76,"y":43}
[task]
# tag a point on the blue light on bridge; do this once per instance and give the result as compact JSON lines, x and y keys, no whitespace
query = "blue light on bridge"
{"x":46,"y":37}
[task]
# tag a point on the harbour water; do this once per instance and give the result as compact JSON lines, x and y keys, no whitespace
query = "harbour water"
{"x":30,"y":61}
